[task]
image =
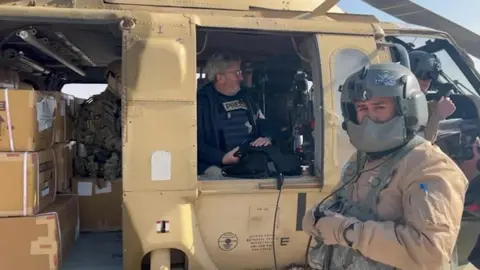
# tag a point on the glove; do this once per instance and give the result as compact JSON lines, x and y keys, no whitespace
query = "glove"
{"x":308,"y":223}
{"x":309,"y":218}
{"x":332,"y":227}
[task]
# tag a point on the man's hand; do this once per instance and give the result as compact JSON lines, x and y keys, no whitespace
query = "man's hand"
{"x":445,"y":107}
{"x":229,"y":159}
{"x":476,"y":144}
{"x":308,"y":223}
{"x":470,"y":167}
{"x":476,"y":154}
{"x":261,"y":141}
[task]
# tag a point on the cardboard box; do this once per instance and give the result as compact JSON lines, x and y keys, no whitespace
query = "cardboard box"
{"x":26,"y":120}
{"x":100,"y":208}
{"x":64,"y":166}
{"x":64,"y":118}
{"x":43,"y":241}
{"x":29,"y":182}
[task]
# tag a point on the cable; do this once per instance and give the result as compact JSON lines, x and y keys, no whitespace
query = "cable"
{"x":280,"y":185}
{"x":351,"y":180}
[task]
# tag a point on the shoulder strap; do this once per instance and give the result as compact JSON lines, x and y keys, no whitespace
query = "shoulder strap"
{"x":361,"y":160}
{"x":351,"y":169}
{"x":382,"y":180}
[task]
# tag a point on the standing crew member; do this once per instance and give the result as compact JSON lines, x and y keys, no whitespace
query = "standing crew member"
{"x":98,"y":130}
{"x":400,"y":200}
{"x":426,"y":68}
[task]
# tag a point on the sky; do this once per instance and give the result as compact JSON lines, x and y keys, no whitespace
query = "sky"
{"x":465,"y":15}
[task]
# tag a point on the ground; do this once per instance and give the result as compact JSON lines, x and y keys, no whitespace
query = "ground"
{"x":96,"y":251}
{"x":103,"y":251}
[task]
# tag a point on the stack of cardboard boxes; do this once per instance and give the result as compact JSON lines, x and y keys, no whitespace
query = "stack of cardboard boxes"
{"x":100,"y":204}
{"x":38,"y":224}
{"x":43,"y":205}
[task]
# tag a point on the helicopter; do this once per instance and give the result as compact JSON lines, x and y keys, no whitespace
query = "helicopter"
{"x":298,"y":53}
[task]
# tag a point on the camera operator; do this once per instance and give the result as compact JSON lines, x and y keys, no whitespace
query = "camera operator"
{"x":471,"y":169}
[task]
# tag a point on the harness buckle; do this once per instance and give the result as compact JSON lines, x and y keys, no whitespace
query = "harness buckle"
{"x":375,"y":182}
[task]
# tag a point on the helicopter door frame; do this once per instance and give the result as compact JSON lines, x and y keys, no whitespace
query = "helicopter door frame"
{"x":159,"y":127}
{"x":342,"y":55}
{"x":159,"y":137}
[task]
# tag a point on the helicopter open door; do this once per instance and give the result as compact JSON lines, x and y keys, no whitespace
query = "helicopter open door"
{"x":410,"y":12}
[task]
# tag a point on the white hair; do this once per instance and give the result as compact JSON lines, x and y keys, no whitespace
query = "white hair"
{"x":219,"y":62}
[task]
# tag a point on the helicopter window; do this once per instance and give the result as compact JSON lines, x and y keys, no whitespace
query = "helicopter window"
{"x":83,"y":90}
{"x":277,"y":76}
{"x":453,"y":73}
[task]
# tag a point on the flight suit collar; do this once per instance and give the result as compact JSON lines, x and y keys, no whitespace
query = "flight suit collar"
{"x":379,"y":155}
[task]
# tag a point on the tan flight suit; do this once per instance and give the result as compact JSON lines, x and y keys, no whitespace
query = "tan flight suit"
{"x":433,"y":120}
{"x":419,"y":228}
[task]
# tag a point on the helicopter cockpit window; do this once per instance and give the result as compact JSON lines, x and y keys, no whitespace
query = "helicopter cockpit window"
{"x":452,"y":74}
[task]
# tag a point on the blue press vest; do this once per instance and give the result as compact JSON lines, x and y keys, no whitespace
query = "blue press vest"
{"x":233,"y":123}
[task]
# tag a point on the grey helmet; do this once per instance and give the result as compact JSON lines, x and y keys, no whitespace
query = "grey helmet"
{"x":383,"y":80}
{"x":425,"y":66}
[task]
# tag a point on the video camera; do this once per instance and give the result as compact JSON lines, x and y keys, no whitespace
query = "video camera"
{"x":456,"y":138}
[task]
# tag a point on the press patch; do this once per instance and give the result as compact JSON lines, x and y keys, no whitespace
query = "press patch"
{"x":234,"y":105}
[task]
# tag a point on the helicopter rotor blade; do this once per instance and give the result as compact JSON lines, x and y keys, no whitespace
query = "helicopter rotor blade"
{"x":410,"y":12}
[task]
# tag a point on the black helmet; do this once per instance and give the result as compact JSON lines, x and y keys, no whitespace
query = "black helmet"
{"x":424,"y":65}
{"x":114,"y":68}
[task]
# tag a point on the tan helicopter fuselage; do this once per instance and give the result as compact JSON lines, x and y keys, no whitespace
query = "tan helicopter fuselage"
{"x":217,"y":224}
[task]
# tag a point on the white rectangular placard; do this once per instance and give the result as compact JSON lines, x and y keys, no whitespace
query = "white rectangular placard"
{"x":161,"y":166}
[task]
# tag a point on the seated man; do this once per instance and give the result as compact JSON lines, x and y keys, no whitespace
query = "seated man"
{"x":426,"y":68}
{"x":227,"y":116}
